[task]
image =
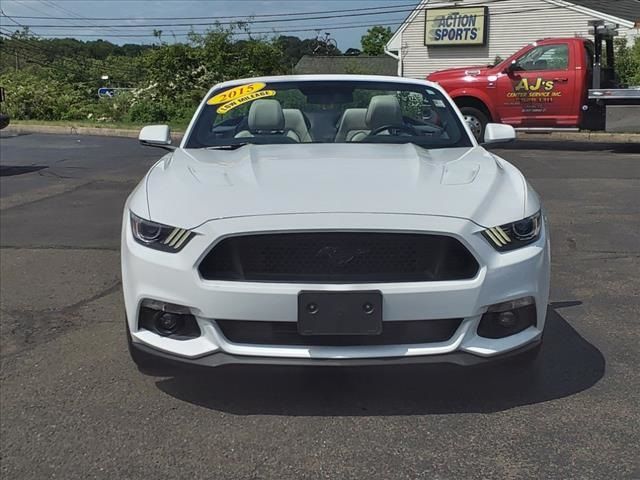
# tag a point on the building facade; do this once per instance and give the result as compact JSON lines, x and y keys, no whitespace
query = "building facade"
{"x":439,"y":35}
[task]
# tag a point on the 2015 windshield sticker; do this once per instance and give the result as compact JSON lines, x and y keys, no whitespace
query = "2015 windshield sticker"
{"x":222,"y":109}
{"x":236,"y":92}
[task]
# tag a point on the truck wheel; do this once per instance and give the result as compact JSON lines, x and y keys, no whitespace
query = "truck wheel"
{"x":476,"y":120}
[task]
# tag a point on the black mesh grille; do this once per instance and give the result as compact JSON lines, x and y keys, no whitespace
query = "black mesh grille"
{"x":286,"y":333}
{"x":339,"y":257}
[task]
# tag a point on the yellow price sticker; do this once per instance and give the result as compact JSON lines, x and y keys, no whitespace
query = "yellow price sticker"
{"x":236,"y":92}
{"x":222,"y":109}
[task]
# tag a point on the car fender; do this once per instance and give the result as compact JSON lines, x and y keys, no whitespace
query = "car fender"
{"x":478,"y":95}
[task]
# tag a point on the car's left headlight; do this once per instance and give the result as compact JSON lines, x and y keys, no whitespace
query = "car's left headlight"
{"x":516,"y":234}
{"x":159,"y":236}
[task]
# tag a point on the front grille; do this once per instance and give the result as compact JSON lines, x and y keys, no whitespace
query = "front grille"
{"x":286,"y":333}
{"x":339,"y":257}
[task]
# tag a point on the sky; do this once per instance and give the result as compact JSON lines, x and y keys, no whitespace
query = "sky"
{"x":345,"y":28}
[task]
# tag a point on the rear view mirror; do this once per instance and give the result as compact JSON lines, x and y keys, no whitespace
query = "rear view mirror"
{"x":498,"y":133}
{"x":156,"y":136}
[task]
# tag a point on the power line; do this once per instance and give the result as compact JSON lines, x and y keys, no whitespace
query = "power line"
{"x":294,"y":30}
{"x":270,"y":15}
{"x":249,"y":21}
{"x":213,"y":24}
{"x":63,"y":9}
{"x":302,"y":28}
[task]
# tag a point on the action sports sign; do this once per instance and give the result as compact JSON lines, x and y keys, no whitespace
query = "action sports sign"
{"x":456,"y":26}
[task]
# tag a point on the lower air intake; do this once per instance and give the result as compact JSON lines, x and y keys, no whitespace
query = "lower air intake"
{"x":286,"y":333}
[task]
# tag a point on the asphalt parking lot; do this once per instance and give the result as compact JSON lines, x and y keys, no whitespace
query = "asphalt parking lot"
{"x":72,"y":405}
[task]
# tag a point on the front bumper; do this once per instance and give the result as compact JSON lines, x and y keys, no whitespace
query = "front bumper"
{"x":165,"y":361}
{"x":174,"y":278}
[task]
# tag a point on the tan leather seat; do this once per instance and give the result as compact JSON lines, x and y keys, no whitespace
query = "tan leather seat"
{"x":351,"y":123}
{"x":294,"y":121}
{"x":266,"y":118}
{"x":383,"y":110}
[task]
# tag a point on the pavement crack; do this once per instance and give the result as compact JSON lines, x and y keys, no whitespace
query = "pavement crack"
{"x":93,"y":298}
{"x":33,"y":328}
{"x":45,"y":197}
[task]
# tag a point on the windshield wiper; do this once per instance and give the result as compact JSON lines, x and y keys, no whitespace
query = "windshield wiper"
{"x":233,"y":146}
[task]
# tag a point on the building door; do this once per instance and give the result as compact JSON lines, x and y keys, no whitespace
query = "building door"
{"x":538,"y":89}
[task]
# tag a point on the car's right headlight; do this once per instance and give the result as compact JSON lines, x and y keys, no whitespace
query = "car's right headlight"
{"x":516,"y":234}
{"x":158,"y":236}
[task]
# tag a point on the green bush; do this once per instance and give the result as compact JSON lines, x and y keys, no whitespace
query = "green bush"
{"x":627,"y":60}
{"x":32,"y":97}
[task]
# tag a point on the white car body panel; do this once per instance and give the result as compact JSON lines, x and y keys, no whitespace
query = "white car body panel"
{"x":332,"y":187}
{"x":364,"y":178}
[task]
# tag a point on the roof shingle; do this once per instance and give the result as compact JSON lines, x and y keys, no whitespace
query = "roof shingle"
{"x":624,"y":9}
{"x":361,"y":64}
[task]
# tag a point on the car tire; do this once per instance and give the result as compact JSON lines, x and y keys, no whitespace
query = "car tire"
{"x":477,"y":121}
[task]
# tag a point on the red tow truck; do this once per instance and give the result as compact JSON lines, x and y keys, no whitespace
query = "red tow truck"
{"x":552,"y":84}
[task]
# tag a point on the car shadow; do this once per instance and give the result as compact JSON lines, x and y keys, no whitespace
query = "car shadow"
{"x":567,"y":364}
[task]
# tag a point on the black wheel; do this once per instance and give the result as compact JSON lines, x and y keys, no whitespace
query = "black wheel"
{"x":477,"y":121}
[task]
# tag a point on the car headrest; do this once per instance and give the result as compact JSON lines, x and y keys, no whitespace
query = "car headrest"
{"x":353,"y":119}
{"x":383,"y":110}
{"x":265,"y":115}
{"x":294,"y":120}
{"x":540,"y":64}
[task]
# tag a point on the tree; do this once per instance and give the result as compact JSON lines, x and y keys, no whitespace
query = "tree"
{"x":375,"y":39}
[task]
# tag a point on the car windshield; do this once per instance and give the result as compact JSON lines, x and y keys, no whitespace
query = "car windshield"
{"x":327,"y":112}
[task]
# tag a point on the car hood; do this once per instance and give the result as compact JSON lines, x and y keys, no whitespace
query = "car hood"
{"x":476,"y":71}
{"x":192,"y":186}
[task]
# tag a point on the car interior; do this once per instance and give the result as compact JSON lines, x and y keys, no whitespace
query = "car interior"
{"x":323,"y":118}
{"x":267,"y":117}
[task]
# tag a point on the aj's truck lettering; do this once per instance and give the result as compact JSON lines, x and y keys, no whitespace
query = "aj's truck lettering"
{"x":536,"y":90}
{"x":534,"y":85}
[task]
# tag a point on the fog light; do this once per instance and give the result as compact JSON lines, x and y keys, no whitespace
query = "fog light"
{"x":508,"y":318}
{"x":168,"y":320}
{"x":168,"y":323}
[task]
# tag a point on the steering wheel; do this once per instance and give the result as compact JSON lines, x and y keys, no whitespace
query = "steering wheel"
{"x":399,"y":127}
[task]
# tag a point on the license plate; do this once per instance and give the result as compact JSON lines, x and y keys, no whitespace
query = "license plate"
{"x":340,"y":313}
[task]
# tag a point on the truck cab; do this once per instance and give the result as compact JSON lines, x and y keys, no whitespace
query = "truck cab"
{"x":542,"y":85}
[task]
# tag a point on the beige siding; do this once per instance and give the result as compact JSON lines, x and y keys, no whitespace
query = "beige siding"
{"x":508,"y":32}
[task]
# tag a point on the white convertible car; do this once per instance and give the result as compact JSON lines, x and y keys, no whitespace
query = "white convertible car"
{"x":332,"y":220}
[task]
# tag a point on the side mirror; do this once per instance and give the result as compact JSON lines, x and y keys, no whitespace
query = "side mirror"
{"x":511,"y":67}
{"x":498,"y":133}
{"x":156,"y":136}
